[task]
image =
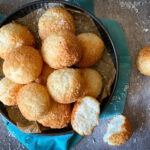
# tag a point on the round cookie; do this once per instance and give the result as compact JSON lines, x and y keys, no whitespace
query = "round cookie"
{"x":8,"y":91}
{"x":85,"y":115}
{"x":46,"y":71}
{"x":61,"y":50}
{"x":33,"y":101}
{"x":23,"y":65}
{"x":92,"y":47}
{"x":65,"y":85}
{"x":92,"y":81}
{"x":58,"y":116}
{"x":14,"y":35}
{"x":55,"y":20}
{"x":143,"y":61}
{"x":119,"y":131}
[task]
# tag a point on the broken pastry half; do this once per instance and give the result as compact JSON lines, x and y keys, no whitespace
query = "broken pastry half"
{"x":85,"y":115}
{"x":119,"y":131}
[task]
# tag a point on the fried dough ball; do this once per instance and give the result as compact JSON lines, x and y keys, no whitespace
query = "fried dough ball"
{"x":8,"y":91}
{"x":92,"y":47}
{"x":58,"y":116}
{"x":119,"y":131}
{"x":46,"y":71}
{"x":93,"y":82}
{"x":143,"y":61}
{"x":55,"y":20}
{"x":60,"y":50}
{"x":14,"y":35}
{"x":33,"y":101}
{"x":65,"y":85}
{"x":85,"y":115}
{"x":23,"y":65}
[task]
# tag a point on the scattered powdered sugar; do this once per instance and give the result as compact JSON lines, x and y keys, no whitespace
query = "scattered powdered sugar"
{"x":129,"y":5}
{"x":148,"y":107}
{"x":134,"y":141}
{"x":145,"y":30}
{"x":93,"y":140}
{"x":20,"y":146}
{"x":137,"y":8}
{"x":126,"y":87}
{"x":133,"y":5}
{"x":10,"y":134}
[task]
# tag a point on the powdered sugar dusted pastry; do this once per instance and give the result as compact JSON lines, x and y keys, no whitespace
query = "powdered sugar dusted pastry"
{"x":65,"y":85}
{"x":54,"y":20}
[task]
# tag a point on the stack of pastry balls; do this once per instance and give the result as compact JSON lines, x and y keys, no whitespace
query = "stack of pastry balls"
{"x":44,"y":84}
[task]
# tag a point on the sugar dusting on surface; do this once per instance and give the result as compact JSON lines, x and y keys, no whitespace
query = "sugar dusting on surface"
{"x":134,"y":7}
{"x":129,"y":5}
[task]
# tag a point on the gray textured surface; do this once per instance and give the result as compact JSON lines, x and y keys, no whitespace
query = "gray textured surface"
{"x":134,"y":17}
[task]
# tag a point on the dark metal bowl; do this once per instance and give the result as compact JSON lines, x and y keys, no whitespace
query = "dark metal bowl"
{"x":26,"y":9}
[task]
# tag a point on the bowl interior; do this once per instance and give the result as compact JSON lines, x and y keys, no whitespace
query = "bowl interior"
{"x":26,"y":9}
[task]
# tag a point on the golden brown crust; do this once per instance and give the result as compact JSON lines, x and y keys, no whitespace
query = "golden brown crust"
{"x":46,"y":71}
{"x":33,"y":101}
{"x":60,"y":50}
{"x":55,"y":20}
{"x":93,"y":82}
{"x":9,"y":91}
{"x":143,"y":61}
{"x":65,"y":85}
{"x":92,"y":47}
{"x":75,"y":109}
{"x":23,"y":65}
{"x":124,"y":134}
{"x":58,"y":116}
{"x":14,"y":35}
